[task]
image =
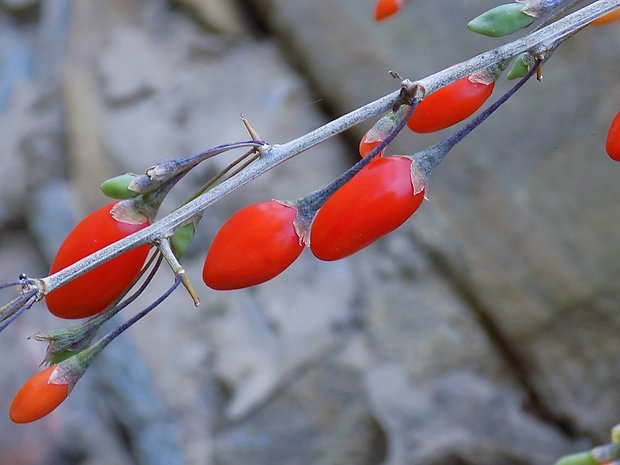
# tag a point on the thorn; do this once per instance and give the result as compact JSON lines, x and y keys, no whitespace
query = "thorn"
{"x":253,"y":134}
{"x":166,"y":250}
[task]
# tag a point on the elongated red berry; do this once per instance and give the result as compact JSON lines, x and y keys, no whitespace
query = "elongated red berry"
{"x":373,"y":203}
{"x":367,"y":144}
{"x":450,"y":105}
{"x":613,"y":139}
{"x":92,"y":292}
{"x":256,"y":244}
{"x":37,"y":397}
{"x":381,"y":130}
{"x":386,"y":8}
{"x":611,"y":17}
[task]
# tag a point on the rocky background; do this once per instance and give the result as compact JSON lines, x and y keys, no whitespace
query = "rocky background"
{"x":485,"y":330}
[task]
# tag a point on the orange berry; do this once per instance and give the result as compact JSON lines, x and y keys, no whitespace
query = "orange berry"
{"x":610,"y":17}
{"x":37,"y":397}
{"x":387,"y":8}
{"x":612,"y":145}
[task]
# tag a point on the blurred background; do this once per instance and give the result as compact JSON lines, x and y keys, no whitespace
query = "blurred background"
{"x":484,"y":330}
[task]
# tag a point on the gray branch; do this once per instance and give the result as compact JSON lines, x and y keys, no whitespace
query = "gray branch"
{"x":538,"y":41}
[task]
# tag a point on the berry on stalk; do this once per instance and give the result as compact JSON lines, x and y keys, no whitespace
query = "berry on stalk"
{"x":92,"y":292}
{"x":256,"y":244}
{"x":37,"y":397}
{"x":452,"y":103}
{"x":370,"y":205}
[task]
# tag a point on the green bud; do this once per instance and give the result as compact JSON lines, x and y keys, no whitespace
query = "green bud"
{"x":182,"y":238}
{"x":501,"y":20}
{"x":60,"y":357}
{"x":118,"y":187}
{"x":580,"y":458}
{"x":521,"y":66}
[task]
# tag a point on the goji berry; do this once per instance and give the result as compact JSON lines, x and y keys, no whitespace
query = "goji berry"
{"x":95,"y":290}
{"x":613,"y":139}
{"x":256,"y":244}
{"x":450,"y":105}
{"x":607,"y":18}
{"x":373,"y":203}
{"x":386,"y":8}
{"x":37,"y":397}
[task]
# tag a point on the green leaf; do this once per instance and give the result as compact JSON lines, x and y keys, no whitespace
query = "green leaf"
{"x":521,"y":66}
{"x":182,"y":238}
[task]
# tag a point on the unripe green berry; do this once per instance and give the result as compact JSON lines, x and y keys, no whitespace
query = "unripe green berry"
{"x":118,"y":187}
{"x":523,"y":63}
{"x":182,"y":238}
{"x":501,"y":20}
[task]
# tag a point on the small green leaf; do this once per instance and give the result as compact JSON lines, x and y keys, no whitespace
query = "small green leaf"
{"x":521,"y":66}
{"x":501,"y":20}
{"x":60,"y":357}
{"x":118,"y":187}
{"x":182,"y":238}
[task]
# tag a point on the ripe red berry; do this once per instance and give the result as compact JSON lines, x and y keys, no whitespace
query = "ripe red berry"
{"x":607,"y":18}
{"x":449,"y":105}
{"x":373,"y":203}
{"x":37,"y":397}
{"x":95,"y":290}
{"x":256,"y":244}
{"x":386,"y":8}
{"x":613,"y":139}
{"x":367,"y":145}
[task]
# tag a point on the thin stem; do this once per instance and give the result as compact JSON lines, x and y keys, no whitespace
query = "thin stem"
{"x":105,"y":340}
{"x":14,"y":283}
{"x":558,"y":11}
{"x":316,"y":199}
{"x":244,"y":166}
{"x":426,"y":160}
{"x":218,"y":176}
{"x":105,"y":316}
{"x":278,"y":154}
{"x":21,"y":304}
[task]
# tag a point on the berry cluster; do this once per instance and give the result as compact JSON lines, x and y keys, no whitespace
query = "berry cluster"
{"x":371,"y":199}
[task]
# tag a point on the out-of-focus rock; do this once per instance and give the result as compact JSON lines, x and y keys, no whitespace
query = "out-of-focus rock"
{"x":53,"y":212}
{"x":18,"y":5}
{"x":458,"y":417}
{"x":31,"y":131}
{"x":320,"y":418}
{"x":222,"y":16}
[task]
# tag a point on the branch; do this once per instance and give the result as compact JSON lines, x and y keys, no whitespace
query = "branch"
{"x":538,"y":42}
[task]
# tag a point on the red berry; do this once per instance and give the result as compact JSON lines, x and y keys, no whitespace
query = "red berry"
{"x":611,"y":17}
{"x":37,"y":397}
{"x":449,"y":105}
{"x":92,"y":292}
{"x":613,"y":139}
{"x":386,"y":8}
{"x":367,"y":146}
{"x":373,"y":203}
{"x":256,"y":244}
